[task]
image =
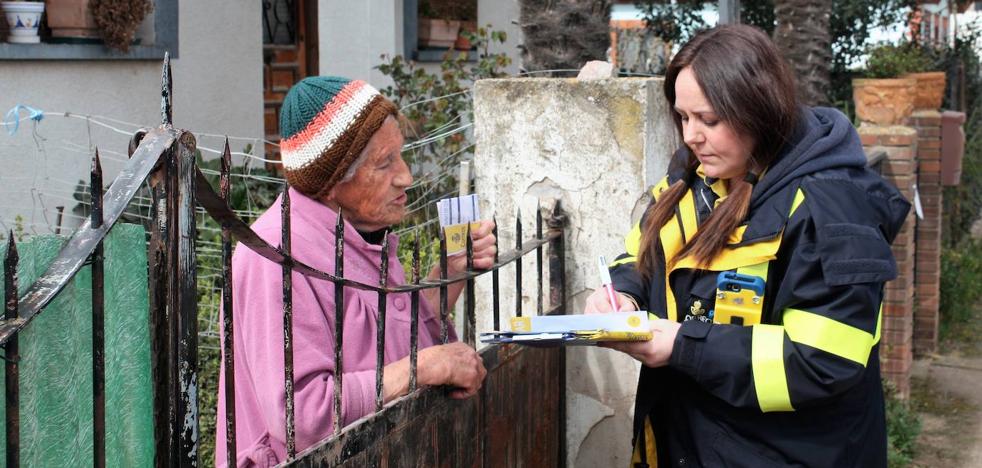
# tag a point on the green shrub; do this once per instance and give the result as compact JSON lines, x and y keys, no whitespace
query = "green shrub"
{"x":903,"y":427}
{"x":894,"y":60}
{"x":961,"y":275}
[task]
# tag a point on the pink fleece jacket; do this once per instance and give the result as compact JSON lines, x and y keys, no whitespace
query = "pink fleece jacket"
{"x":260,"y":398}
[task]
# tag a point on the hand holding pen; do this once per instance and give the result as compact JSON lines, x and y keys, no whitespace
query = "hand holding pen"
{"x":605,"y":299}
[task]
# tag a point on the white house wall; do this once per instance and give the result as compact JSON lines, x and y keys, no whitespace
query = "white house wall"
{"x":217,"y":89}
{"x":354,"y":35}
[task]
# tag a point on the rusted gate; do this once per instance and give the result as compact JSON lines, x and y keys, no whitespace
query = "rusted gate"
{"x":517,"y":419}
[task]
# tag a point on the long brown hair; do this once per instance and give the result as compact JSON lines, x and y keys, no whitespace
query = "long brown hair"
{"x":751,"y":89}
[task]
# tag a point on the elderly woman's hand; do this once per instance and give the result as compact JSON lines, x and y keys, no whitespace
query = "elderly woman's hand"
{"x":484,"y":249}
{"x":453,"y":364}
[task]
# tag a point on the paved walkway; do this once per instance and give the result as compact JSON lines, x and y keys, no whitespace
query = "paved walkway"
{"x":947,"y":392}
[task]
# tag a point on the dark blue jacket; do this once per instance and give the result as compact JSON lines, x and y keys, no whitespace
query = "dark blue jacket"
{"x":801,"y":387}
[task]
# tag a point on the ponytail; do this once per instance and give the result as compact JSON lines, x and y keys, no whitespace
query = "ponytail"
{"x":656,"y":216}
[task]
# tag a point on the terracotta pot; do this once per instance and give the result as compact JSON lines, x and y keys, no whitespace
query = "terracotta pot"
{"x":929,"y":91}
{"x":71,"y":18}
{"x":23,"y":19}
{"x":463,"y":43}
{"x":437,"y":32}
{"x":952,"y":146}
{"x":887,"y":101}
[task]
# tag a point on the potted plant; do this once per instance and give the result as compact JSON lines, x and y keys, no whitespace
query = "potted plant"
{"x":885,"y":96}
{"x":71,"y":19}
{"x":23,"y":19}
{"x":118,"y":20}
{"x":447,"y":23}
{"x":929,"y":91}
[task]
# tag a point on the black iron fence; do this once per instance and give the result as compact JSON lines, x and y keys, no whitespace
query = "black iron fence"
{"x":164,"y":157}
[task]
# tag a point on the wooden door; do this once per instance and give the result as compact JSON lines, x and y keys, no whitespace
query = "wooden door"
{"x":289,"y":55}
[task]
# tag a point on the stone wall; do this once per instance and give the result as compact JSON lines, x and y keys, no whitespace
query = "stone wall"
{"x":896,"y":343}
{"x":596,"y":146}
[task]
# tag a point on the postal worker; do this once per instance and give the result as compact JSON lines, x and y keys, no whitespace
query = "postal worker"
{"x":763,"y":257}
{"x":341,"y":149}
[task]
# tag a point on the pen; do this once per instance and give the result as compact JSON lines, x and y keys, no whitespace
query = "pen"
{"x":606,"y":283}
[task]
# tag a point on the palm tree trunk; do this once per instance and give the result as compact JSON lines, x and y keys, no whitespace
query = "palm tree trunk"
{"x":564,"y":34}
{"x":802,"y":34}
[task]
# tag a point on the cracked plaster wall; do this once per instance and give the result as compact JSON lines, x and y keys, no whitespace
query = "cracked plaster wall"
{"x":596,"y":146}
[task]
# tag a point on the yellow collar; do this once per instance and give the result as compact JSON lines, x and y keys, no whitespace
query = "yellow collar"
{"x":718,"y":186}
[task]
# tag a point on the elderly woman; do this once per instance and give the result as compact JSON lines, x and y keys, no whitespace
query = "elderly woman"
{"x":341,"y":147}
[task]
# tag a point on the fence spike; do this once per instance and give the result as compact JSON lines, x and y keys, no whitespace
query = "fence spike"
{"x":495,"y":303}
{"x":380,"y":325}
{"x":538,"y":256}
{"x":226,"y":171}
{"x":166,"y":92}
{"x":444,"y":299}
{"x":291,"y":442}
{"x":11,"y":370}
{"x":95,"y":190}
{"x":338,"y":318}
{"x":470,"y":321}
{"x":414,"y":317}
{"x":228,"y":315}
{"x":518,"y":264}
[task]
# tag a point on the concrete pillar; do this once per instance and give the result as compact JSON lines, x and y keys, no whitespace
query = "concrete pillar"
{"x":896,"y":342}
{"x":927,"y":277}
{"x":596,"y":146}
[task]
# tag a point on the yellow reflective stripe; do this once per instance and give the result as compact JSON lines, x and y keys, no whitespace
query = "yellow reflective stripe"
{"x":623,"y":261}
{"x":879,"y":322}
{"x":758,"y":269}
{"x":650,"y":447}
{"x":690,"y":220}
{"x":829,"y":335}
{"x":660,"y":187}
{"x":731,"y":258}
{"x":799,"y":197}
{"x":632,"y":243}
{"x":672,"y":241}
{"x":767,"y":361}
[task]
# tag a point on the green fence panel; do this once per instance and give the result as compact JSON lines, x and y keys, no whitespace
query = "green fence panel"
{"x":56,"y":359}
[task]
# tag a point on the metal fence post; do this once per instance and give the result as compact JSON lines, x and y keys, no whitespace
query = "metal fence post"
{"x":11,"y":356}
{"x":183,"y":301}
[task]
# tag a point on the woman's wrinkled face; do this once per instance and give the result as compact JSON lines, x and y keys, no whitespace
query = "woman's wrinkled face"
{"x":723,"y":152}
{"x":375,"y":198}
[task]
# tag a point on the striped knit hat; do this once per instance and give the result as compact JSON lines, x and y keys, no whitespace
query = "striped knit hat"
{"x":325,"y":123}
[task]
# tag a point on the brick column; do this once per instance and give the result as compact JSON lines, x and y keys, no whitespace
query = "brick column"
{"x":927,"y":266}
{"x":896,"y":343}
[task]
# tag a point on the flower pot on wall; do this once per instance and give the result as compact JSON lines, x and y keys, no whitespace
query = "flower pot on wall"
{"x":887,"y":101}
{"x":438,"y":32}
{"x":71,"y":18}
{"x":462,"y":42}
{"x":929,"y":89}
{"x":23,"y":19}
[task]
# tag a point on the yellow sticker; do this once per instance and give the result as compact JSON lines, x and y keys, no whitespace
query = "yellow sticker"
{"x":634,"y":321}
{"x":521,"y":324}
{"x":457,"y":236}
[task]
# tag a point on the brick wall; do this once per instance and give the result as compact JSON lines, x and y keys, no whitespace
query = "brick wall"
{"x":896,"y":343}
{"x":927,"y":265}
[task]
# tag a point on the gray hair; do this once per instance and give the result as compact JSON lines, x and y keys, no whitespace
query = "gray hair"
{"x":353,"y":168}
